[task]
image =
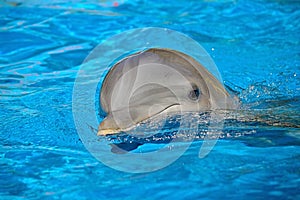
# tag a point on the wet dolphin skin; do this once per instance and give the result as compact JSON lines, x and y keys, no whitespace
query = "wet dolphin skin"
{"x":155,"y":81}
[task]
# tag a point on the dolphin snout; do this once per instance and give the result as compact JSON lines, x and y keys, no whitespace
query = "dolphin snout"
{"x":121,"y":121}
{"x":108,"y":126}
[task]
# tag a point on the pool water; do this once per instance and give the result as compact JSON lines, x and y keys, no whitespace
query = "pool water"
{"x":256,"y":46}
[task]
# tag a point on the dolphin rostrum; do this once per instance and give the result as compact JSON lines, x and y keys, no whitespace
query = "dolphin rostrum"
{"x":155,"y":81}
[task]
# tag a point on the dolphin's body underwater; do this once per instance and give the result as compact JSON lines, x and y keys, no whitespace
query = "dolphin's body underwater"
{"x":156,"y":81}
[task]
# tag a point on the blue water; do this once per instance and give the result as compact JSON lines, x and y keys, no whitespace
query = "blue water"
{"x":256,"y":46}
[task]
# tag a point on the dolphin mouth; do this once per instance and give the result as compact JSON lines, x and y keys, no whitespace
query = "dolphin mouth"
{"x":111,"y":128}
{"x":104,"y":132}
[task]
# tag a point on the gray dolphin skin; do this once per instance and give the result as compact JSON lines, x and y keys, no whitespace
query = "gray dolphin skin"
{"x":156,"y":81}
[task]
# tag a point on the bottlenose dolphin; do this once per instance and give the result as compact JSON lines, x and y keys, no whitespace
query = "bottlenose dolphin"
{"x":155,"y":81}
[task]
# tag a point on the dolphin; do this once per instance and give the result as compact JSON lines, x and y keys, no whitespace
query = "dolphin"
{"x":157,"y":81}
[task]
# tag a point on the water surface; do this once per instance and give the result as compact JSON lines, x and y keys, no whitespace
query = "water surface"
{"x":255,"y":46}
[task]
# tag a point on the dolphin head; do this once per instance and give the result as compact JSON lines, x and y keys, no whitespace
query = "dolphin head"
{"x":156,"y":81}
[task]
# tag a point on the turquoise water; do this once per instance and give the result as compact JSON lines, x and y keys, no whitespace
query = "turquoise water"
{"x":255,"y":45}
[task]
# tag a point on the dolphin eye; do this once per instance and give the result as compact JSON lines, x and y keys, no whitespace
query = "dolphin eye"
{"x":194,"y":93}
